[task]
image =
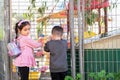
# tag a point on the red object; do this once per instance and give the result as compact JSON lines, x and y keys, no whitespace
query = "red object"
{"x":43,"y":69}
{"x":39,"y":53}
{"x":94,"y":4}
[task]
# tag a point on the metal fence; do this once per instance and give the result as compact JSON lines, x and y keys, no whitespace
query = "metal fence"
{"x":4,"y":38}
{"x":101,"y":52}
{"x":96,"y":23}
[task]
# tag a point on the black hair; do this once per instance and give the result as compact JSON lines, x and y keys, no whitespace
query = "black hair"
{"x":57,"y":30}
{"x":19,"y":25}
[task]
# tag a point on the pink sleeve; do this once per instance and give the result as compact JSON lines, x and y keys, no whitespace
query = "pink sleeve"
{"x":32,"y":43}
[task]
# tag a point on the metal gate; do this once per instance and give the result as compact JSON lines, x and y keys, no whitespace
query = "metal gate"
{"x":93,"y":27}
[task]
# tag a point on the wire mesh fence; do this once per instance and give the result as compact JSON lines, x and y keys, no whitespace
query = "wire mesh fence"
{"x":101,"y":31}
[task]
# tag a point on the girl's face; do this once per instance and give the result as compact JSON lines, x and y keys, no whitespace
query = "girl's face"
{"x":25,"y":30}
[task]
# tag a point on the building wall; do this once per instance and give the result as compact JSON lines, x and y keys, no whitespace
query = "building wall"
{"x":105,"y":43}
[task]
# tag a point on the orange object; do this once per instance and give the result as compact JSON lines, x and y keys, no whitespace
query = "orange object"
{"x":14,"y":68}
{"x":68,"y":44}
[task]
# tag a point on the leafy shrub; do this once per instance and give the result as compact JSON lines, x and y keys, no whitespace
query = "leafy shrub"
{"x":102,"y":75}
{"x":117,"y":76}
{"x":78,"y":77}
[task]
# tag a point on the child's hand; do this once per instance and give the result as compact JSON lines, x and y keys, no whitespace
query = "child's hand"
{"x":43,"y":69}
{"x":39,"y":53}
{"x":49,"y":38}
{"x":41,"y":40}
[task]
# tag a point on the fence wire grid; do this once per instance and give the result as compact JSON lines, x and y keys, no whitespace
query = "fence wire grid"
{"x":101,"y":32}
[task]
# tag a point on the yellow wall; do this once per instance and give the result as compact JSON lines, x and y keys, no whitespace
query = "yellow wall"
{"x":104,"y":43}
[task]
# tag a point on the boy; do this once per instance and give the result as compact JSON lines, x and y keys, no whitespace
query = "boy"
{"x":58,"y":54}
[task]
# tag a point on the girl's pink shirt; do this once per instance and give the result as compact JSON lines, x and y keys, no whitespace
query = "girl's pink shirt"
{"x":26,"y":58}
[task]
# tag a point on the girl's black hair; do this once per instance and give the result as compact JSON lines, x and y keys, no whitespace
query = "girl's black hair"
{"x":20,"y":27}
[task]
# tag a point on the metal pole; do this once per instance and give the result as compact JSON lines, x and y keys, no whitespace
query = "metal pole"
{"x":105,"y":20}
{"x":81,"y":36}
{"x":6,"y":38}
{"x":71,"y":22}
{"x":13,"y":76}
{"x":82,"y":41}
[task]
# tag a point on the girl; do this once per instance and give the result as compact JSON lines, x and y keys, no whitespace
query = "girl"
{"x":26,"y":59}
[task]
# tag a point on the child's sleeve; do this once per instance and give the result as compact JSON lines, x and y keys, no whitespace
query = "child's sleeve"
{"x":32,"y":43}
{"x":46,"y":47}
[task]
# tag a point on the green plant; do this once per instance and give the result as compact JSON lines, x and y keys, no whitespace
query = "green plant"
{"x":40,"y":27}
{"x":78,"y":77}
{"x":117,"y":76}
{"x":91,"y":17}
{"x":68,"y":78}
{"x":32,"y":8}
{"x":102,"y":75}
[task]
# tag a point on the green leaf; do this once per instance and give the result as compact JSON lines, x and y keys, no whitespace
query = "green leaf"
{"x":32,"y":1}
{"x":78,"y":77}
{"x":102,"y":74}
{"x":117,"y":76}
{"x":68,"y":78}
{"x":29,"y":7}
{"x":25,"y":15}
{"x":40,"y":10}
{"x":92,"y":75}
{"x":33,"y":5}
{"x":110,"y":75}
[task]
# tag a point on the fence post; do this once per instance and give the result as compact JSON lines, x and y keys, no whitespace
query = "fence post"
{"x":71,"y":25}
{"x":80,"y":10}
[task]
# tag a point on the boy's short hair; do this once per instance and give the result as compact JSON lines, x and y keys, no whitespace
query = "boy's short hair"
{"x":57,"y":30}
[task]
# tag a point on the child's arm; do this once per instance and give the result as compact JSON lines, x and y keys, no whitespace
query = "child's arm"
{"x":46,"y":47}
{"x":32,"y":43}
